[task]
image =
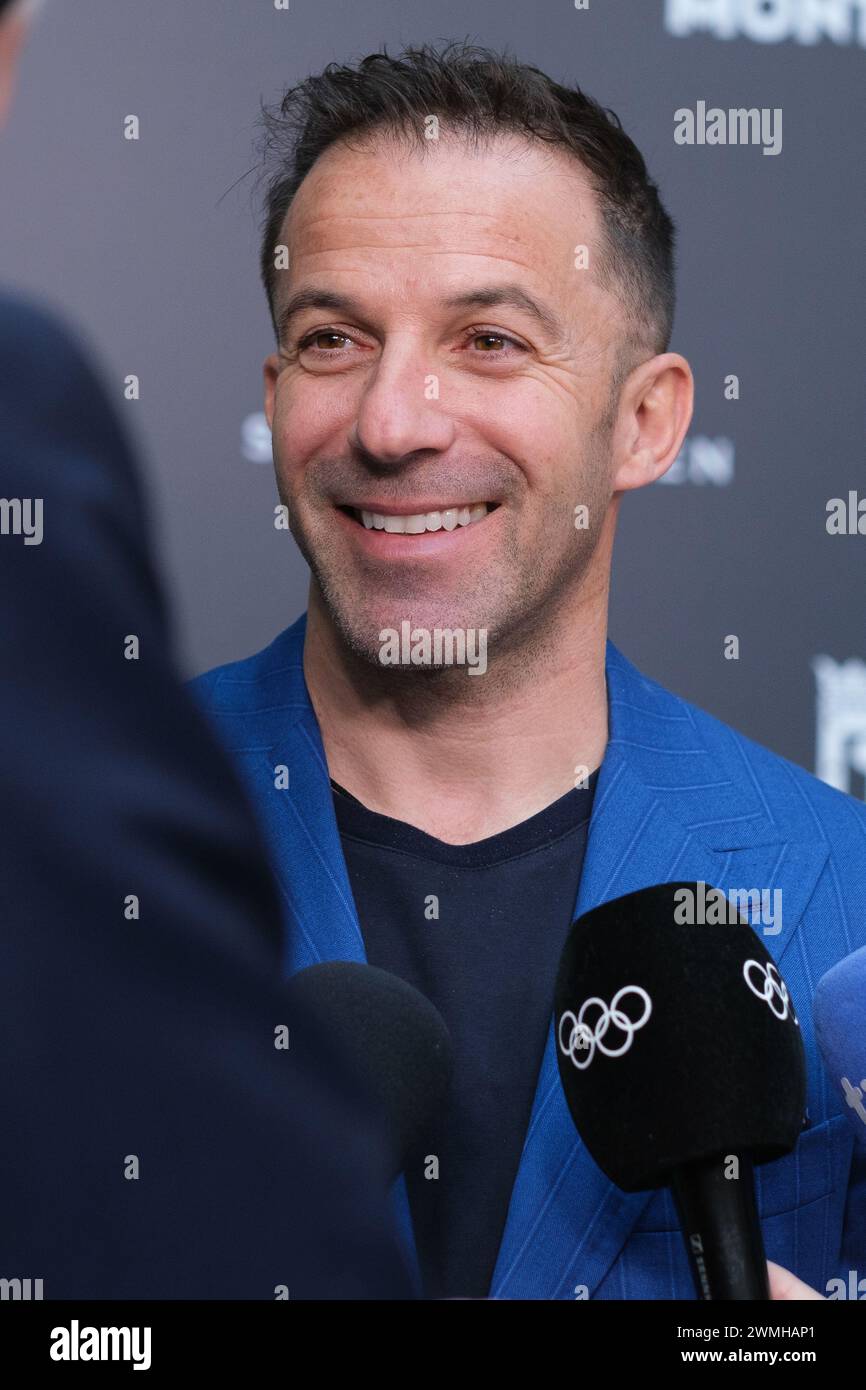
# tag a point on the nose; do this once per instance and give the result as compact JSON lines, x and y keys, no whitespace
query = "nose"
{"x":400,"y":412}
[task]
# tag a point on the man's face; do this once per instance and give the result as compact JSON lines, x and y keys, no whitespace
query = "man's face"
{"x":405,"y":395}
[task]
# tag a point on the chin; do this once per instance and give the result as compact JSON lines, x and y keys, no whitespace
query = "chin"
{"x":362,"y":633}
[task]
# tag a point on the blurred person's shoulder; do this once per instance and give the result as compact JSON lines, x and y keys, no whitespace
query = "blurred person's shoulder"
{"x":29,"y":329}
{"x":45,"y":360}
{"x":55,"y":404}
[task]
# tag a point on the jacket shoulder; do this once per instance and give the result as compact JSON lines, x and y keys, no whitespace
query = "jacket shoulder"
{"x":53,"y":388}
{"x":826,"y":806}
{"x":32,"y":335}
{"x":806,"y":798}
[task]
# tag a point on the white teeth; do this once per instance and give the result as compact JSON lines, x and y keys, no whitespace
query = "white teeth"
{"x":413,"y":525}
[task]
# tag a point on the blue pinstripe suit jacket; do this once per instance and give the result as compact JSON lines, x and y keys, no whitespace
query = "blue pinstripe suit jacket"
{"x":679,"y":796}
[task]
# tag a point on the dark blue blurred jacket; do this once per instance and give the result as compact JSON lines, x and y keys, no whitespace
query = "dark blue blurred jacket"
{"x":153,"y":1037}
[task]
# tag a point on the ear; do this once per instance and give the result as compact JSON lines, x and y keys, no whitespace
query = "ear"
{"x":271,"y":370}
{"x":654,"y":412}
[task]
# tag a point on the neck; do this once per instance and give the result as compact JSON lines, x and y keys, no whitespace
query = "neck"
{"x":458,"y":756}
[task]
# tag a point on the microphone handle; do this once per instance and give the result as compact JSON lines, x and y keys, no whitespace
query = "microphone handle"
{"x":720,"y":1226}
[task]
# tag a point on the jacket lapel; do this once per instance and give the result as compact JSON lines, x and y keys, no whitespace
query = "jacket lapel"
{"x":270,"y":727}
{"x":315,"y":877}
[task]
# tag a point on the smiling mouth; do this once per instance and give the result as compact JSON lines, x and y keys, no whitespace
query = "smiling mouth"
{"x":420,"y":523}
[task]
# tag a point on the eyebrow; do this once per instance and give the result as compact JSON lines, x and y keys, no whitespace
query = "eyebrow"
{"x":484,"y":297}
{"x":512,"y":297}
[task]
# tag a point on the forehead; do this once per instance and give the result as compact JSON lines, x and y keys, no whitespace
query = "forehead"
{"x":446,"y":209}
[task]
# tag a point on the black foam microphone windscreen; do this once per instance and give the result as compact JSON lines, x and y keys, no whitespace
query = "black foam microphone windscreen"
{"x":392,"y":1039}
{"x":677,"y":1039}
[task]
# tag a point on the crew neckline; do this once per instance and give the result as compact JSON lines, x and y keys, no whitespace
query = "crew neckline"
{"x":562,"y":817}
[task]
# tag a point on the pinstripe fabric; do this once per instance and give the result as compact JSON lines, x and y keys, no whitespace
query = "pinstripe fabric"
{"x":679,"y":796}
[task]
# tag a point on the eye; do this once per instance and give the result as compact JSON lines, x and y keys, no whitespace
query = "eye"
{"x":323,"y":340}
{"x":492,"y":342}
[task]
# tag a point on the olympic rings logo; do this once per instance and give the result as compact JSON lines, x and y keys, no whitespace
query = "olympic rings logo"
{"x":586,"y":1039}
{"x":772,"y":989}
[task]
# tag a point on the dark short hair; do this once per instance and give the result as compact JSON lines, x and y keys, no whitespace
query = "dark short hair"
{"x":481,"y":94}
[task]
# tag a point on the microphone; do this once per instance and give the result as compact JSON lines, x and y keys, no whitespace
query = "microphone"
{"x":682,"y":1064}
{"x":393,"y":1042}
{"x":838,"y":1014}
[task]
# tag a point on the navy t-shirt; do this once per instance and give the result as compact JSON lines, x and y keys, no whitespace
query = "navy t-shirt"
{"x":479,"y":930}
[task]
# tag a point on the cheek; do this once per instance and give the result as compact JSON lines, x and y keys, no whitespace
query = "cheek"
{"x":310,"y":418}
{"x":537,"y":430}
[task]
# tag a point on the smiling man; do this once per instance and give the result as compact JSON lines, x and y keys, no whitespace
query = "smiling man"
{"x":470,"y":276}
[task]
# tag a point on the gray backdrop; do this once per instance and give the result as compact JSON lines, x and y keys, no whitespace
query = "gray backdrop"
{"x":151,"y":247}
